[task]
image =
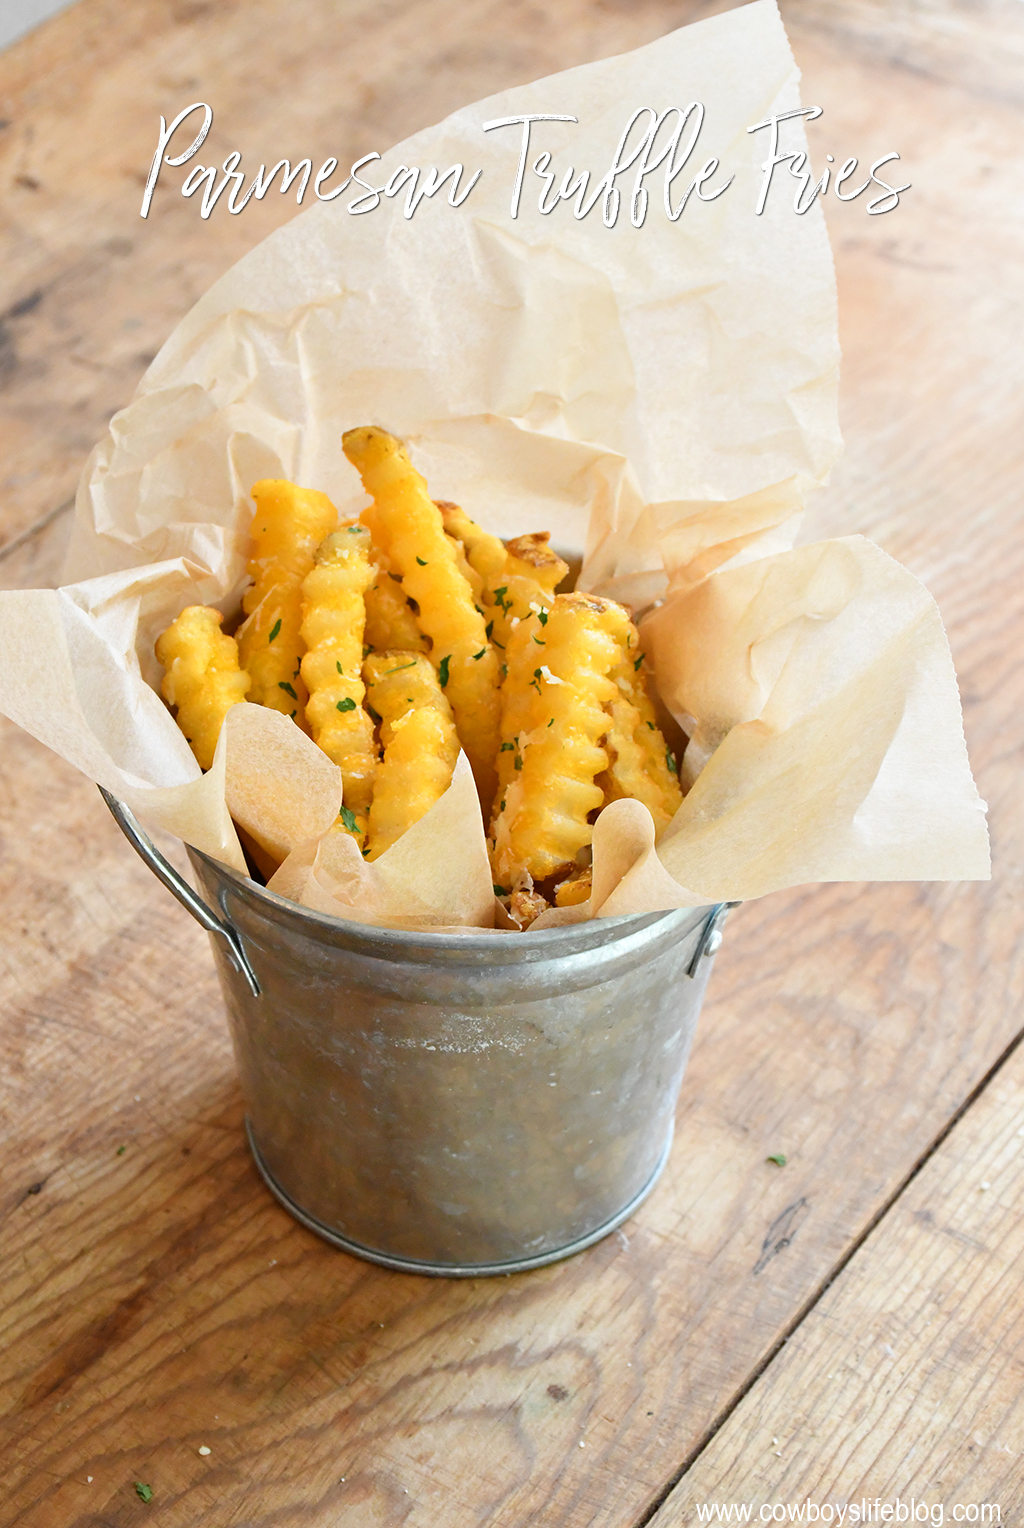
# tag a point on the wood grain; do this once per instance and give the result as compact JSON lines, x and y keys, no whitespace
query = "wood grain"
{"x":907,"y":1380}
{"x":158,"y":1300}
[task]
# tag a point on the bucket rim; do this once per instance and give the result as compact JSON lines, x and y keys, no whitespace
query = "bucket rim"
{"x":548,"y":941}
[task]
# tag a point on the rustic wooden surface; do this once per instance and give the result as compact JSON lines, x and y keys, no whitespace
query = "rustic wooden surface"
{"x":157,"y":1300}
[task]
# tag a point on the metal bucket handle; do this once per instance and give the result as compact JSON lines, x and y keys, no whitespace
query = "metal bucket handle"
{"x":708,"y":944}
{"x":179,"y":887}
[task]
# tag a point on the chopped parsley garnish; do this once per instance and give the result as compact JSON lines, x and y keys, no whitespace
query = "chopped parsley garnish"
{"x":488,"y":629}
{"x":551,"y":723}
{"x":638,"y":662}
{"x":542,"y":617}
{"x":275,"y":629}
{"x":442,"y":670}
{"x":539,"y":641}
{"x":348,"y":817}
{"x":499,"y":891}
{"x":421,"y":562}
{"x":282,"y":684}
{"x":518,"y":761}
{"x":396,"y":576}
{"x":479,"y":654}
{"x":401,"y":666}
{"x":535,"y":681}
{"x":338,"y":666}
{"x":507,"y":748}
{"x":348,"y":704}
{"x":670,"y":760}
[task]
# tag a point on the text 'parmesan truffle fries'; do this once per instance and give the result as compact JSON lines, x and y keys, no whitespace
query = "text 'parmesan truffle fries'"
{"x":288,"y":526}
{"x":420,"y":742}
{"x":203,"y":679}
{"x":333,"y":621}
{"x":408,"y":525}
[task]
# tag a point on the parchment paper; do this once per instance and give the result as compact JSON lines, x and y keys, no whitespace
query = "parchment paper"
{"x":661,"y":398}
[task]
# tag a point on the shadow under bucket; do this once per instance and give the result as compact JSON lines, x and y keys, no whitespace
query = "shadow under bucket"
{"x":452,"y":1104}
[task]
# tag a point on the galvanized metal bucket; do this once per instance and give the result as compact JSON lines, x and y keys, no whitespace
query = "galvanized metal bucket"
{"x":452,"y":1104}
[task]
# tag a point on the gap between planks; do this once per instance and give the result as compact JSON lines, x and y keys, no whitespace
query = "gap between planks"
{"x":43,"y":523}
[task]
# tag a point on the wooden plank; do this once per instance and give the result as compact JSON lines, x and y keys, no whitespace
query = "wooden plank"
{"x":907,"y":1380}
{"x":158,"y":1300}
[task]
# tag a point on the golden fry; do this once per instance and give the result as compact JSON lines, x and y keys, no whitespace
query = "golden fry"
{"x":288,"y":526}
{"x":421,"y":746}
{"x":562,"y":669}
{"x":524,"y":906}
{"x":640,"y":764}
{"x":407,"y":523}
{"x":390,"y":622}
{"x":333,"y":617}
{"x":203,"y":679}
{"x":484,"y":552}
{"x":524,"y":585}
{"x":575,"y":888}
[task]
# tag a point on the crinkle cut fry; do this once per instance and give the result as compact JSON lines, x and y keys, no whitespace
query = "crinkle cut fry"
{"x":484,"y":552}
{"x":390,"y":622}
{"x":524,"y":585}
{"x":420,"y":744}
{"x":203,"y":679}
{"x":639,"y":761}
{"x":288,"y":526}
{"x":407,"y":523}
{"x":333,"y":618}
{"x":542,"y":818}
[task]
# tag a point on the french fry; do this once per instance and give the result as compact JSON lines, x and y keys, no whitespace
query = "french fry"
{"x":484,"y":552}
{"x":333,"y":618}
{"x":390,"y":622}
{"x":421,"y":746}
{"x":407,"y":523}
{"x":524,"y":585}
{"x":562,"y":670}
{"x":202,"y":679}
{"x":288,"y":526}
{"x":640,"y":764}
{"x":525,"y":905}
{"x":575,"y":888}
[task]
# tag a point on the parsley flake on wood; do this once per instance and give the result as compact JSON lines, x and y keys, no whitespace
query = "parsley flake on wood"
{"x":778,"y":1157}
{"x":120,"y":1151}
{"x":282,"y":684}
{"x":348,"y":704}
{"x":275,"y":630}
{"x":442,"y":670}
{"x":143,"y":1492}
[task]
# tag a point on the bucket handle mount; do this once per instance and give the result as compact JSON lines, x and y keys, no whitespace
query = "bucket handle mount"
{"x":165,"y":872}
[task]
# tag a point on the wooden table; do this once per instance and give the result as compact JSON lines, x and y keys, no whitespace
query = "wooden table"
{"x":849,"y":1326}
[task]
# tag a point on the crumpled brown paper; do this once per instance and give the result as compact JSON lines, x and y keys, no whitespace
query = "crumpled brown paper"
{"x":661,"y":398}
